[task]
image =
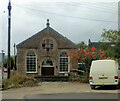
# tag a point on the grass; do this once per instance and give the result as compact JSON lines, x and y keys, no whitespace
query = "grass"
{"x":17,"y":81}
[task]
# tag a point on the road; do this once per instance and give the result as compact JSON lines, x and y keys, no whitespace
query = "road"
{"x":58,"y":90}
{"x":74,"y":96}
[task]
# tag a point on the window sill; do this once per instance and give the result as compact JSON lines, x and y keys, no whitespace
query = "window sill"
{"x":31,"y":72}
{"x":64,"y":72}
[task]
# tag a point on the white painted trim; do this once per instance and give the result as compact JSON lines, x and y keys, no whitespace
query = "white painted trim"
{"x":68,"y":65}
{"x":63,"y":72}
{"x":31,"y":72}
{"x":47,"y":66}
{"x":26,"y":65}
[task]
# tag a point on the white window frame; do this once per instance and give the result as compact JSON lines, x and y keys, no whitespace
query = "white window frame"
{"x":68,"y":65}
{"x":36,"y":65}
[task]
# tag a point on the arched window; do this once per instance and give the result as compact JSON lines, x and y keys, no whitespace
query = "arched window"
{"x":31,"y":66}
{"x":64,"y":60}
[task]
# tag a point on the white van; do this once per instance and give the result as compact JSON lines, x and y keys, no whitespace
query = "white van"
{"x":104,"y":72}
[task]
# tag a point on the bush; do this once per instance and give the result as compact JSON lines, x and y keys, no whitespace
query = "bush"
{"x":84,"y":78}
{"x":17,"y":81}
{"x":81,"y":78}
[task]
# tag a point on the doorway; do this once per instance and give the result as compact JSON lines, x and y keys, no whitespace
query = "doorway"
{"x":47,"y":68}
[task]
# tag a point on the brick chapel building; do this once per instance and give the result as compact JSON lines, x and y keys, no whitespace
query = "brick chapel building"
{"x":45,"y":54}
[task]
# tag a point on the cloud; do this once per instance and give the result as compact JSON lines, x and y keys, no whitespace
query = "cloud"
{"x":76,"y":20}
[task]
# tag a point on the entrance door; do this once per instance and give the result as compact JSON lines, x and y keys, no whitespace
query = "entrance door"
{"x":47,"y":68}
{"x":47,"y":71}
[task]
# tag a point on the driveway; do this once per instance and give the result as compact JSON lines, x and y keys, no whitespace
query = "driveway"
{"x":54,"y":88}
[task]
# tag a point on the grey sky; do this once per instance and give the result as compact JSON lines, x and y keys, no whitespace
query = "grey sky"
{"x":77,"y":20}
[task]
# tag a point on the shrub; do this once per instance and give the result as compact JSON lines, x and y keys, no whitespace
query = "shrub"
{"x":80,"y":78}
{"x":84,"y":78}
{"x":17,"y":81}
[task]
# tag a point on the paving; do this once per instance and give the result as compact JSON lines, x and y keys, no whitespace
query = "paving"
{"x":53,"y":88}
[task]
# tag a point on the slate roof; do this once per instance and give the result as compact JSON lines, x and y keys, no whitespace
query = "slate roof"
{"x":100,"y":44}
{"x":67,"y":43}
{"x":40,"y":32}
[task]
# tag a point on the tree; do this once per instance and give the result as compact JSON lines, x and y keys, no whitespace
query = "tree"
{"x":11,"y":63}
{"x":85,"y":56}
{"x":81,"y":45}
{"x":111,"y":35}
{"x":117,"y":51}
{"x":114,"y":37}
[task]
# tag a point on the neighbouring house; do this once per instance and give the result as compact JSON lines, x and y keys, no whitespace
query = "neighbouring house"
{"x":99,"y":45}
{"x":45,"y":54}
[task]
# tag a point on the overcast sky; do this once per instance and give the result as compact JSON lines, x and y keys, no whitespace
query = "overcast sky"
{"x":74,"y":19}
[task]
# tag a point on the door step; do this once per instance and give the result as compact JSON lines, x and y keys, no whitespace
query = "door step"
{"x":52,"y":78}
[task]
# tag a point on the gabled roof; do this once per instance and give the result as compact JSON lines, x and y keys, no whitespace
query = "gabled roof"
{"x":40,"y":32}
{"x":71,"y":44}
{"x":67,"y":43}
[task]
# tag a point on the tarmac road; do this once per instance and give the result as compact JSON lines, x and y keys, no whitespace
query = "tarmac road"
{"x":74,"y":96}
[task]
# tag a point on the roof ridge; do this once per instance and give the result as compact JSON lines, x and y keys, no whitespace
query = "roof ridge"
{"x":63,"y":36}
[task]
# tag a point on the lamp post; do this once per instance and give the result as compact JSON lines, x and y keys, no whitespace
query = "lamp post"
{"x":9,"y":32}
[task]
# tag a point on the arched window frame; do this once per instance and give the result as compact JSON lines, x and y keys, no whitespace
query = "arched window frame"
{"x":50,"y":63}
{"x":63,"y":56}
{"x":31,"y":56}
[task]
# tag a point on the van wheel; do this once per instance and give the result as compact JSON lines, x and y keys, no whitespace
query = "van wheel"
{"x":92,"y":87}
